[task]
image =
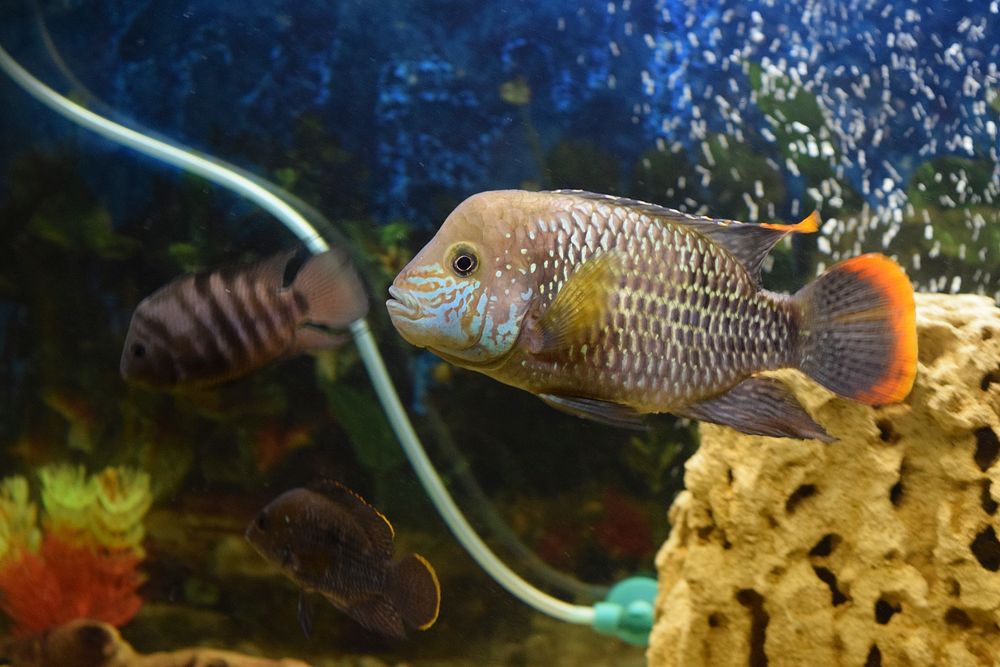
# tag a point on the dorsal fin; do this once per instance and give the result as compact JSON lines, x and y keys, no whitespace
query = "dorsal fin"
{"x":374,"y":523}
{"x":749,"y":243}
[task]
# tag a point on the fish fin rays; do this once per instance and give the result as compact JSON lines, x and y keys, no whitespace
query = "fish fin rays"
{"x":415,"y":591}
{"x":378,"y":614}
{"x":759,"y":406}
{"x":750,"y":244}
{"x":603,"y":412}
{"x":331,"y":286}
{"x":306,"y":614}
{"x":581,"y":306}
{"x":375,"y":524}
{"x":859,"y":334}
{"x":313,"y":336}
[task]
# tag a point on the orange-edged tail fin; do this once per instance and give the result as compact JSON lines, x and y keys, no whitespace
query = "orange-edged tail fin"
{"x":808,"y":225}
{"x":858,"y":330}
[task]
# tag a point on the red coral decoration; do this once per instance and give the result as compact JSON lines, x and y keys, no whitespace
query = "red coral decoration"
{"x":65,"y":581}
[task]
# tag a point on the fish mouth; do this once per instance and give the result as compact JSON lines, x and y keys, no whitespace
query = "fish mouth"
{"x":402,"y":304}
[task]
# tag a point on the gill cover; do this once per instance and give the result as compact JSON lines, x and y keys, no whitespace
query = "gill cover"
{"x":461,"y":296}
{"x":434,"y":308}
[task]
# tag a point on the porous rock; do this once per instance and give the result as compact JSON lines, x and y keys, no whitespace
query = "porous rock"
{"x":880,"y":548}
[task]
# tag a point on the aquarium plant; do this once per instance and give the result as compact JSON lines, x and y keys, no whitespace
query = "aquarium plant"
{"x":84,"y":562}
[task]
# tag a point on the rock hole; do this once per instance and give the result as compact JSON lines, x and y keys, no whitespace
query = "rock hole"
{"x":705,"y":532}
{"x":896,"y":493}
{"x":885,"y":610}
{"x":886,"y":432}
{"x":986,"y":498}
{"x":956,"y":588}
{"x":726,"y":544}
{"x":874,"y":658}
{"x":826,"y":545}
{"x":987,"y":447}
{"x":986,"y":549}
{"x":935,"y":341}
{"x":798,"y":496}
{"x":957,"y":617}
{"x":716,"y":620}
{"x":993,"y":377}
{"x":729,"y":476}
{"x":830,"y":579}
{"x":986,"y":333}
{"x":754,"y":602}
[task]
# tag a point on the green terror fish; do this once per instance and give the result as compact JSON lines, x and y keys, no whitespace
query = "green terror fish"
{"x":610,"y":308}
{"x":329,"y":541}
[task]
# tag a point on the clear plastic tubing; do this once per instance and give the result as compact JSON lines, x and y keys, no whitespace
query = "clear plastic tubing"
{"x":384,"y":388}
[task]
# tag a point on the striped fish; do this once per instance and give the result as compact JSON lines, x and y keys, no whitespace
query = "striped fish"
{"x":214,"y":326}
{"x":611,"y":308}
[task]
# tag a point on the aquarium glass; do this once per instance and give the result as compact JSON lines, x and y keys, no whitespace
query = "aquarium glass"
{"x":373,"y":121}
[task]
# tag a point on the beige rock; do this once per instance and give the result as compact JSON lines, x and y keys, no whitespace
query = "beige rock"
{"x":880,"y":548}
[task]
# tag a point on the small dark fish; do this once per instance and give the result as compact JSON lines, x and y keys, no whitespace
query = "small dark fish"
{"x":610,"y":308}
{"x":328,"y":540}
{"x":209,"y":327}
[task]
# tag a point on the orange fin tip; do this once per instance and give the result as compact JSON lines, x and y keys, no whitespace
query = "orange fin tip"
{"x":808,"y":225}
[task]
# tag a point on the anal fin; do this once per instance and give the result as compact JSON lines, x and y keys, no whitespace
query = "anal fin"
{"x":378,"y":615}
{"x":604,"y":412}
{"x":759,"y":406}
{"x":312,"y":336}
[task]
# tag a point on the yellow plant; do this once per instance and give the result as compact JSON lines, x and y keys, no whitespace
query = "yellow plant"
{"x":68,"y":494}
{"x":18,"y":515}
{"x":106,"y":509}
{"x":123,"y":498}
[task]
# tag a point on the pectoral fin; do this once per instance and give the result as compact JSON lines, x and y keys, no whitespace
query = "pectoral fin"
{"x":305,"y":614}
{"x":605,"y":412}
{"x":759,"y":406}
{"x":581,"y":306}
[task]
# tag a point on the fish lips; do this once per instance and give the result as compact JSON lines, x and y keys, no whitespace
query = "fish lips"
{"x":402,"y":305}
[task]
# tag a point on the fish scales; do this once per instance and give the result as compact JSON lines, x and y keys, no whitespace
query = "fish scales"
{"x":666,"y":314}
{"x":609,"y":308}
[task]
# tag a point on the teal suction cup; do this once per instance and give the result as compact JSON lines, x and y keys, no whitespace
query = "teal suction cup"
{"x":627,"y":613}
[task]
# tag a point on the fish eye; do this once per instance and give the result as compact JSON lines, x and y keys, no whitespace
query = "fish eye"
{"x":138,"y":350}
{"x":464,"y":262}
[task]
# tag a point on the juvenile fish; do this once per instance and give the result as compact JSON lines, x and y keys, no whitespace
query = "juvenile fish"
{"x":328,"y":540}
{"x":610,"y":308}
{"x":209,"y":327}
